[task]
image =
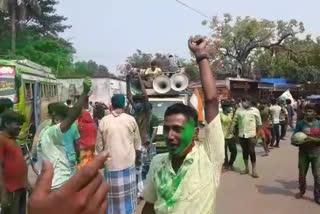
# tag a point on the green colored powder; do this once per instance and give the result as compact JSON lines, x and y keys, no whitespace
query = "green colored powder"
{"x":167,"y":183}
{"x":186,"y":137}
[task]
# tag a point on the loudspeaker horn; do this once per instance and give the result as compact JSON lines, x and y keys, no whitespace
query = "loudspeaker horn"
{"x":179,"y":82}
{"x":161,"y":84}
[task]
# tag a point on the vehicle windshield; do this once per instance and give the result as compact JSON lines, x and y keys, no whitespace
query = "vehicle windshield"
{"x":159,"y":107}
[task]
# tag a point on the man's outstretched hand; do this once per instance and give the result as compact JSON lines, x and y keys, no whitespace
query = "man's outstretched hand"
{"x":84,"y":193}
{"x":198,"y":47}
{"x":87,"y":84}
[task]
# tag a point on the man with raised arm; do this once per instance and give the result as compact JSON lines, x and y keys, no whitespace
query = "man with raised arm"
{"x":51,"y":147}
{"x":186,"y":179}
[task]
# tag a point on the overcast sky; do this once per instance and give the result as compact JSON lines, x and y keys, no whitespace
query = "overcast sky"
{"x":108,"y":31}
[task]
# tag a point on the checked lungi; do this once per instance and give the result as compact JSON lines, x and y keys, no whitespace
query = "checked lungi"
{"x":122,"y":197}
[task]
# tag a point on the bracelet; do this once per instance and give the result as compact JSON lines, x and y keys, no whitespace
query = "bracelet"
{"x":201,"y":57}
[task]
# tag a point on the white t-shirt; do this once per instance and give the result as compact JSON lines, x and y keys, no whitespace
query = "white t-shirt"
{"x":275,"y":112}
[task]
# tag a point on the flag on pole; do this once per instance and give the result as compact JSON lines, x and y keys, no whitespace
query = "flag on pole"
{"x":287,"y":95}
{"x":197,"y":103}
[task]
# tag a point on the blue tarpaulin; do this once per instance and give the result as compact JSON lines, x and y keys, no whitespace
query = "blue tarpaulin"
{"x":275,"y":80}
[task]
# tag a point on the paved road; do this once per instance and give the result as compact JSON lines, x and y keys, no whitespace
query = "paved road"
{"x":272,"y":193}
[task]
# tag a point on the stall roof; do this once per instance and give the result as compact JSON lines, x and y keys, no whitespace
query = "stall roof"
{"x":264,"y":85}
{"x":219,"y":83}
{"x":286,"y":86}
{"x":275,"y":80}
{"x":314,"y":97}
{"x":242,"y":79}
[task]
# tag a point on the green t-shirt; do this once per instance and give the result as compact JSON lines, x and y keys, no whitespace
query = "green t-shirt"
{"x":226,"y":122}
{"x":310,"y":130}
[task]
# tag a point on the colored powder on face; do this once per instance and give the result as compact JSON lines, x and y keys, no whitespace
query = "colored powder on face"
{"x":186,"y":137}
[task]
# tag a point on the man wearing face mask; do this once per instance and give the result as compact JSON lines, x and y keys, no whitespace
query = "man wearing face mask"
{"x":309,"y":151}
{"x":186,"y":179}
{"x":248,"y":121}
{"x":226,"y":121}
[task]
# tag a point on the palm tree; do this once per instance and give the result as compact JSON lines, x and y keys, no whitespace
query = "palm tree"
{"x":18,"y":10}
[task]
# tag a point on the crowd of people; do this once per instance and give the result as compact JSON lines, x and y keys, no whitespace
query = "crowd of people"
{"x":248,"y":122}
{"x":77,"y":141}
{"x":268,"y":121}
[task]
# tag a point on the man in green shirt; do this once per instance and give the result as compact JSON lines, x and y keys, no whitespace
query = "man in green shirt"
{"x":309,"y":152}
{"x":247,"y":119}
{"x":226,"y":122}
{"x":51,"y":147}
{"x":186,"y":179}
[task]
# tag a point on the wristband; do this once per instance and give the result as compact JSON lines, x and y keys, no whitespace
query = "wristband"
{"x":201,"y":57}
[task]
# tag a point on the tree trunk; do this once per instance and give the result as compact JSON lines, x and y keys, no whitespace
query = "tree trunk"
{"x":13,"y":30}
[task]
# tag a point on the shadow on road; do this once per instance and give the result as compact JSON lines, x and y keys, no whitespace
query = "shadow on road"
{"x":270,"y":190}
{"x":286,"y":189}
{"x":292,"y":185}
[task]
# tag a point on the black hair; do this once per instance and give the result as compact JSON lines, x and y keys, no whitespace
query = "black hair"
{"x":263,"y":102}
{"x":58,"y":109}
{"x":226,"y":104}
{"x":5,"y":104}
{"x":69,"y":102}
{"x":310,"y":107}
{"x":281,"y":102}
{"x":179,"y":108}
{"x":254,"y":102}
{"x":238,"y":100}
{"x":247,"y":98}
{"x":288,"y":101}
{"x":99,"y":111}
{"x":153,"y":63}
{"x":273,"y":101}
{"x":10,"y":116}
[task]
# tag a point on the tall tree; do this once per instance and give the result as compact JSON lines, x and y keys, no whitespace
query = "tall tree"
{"x":17,"y":10}
{"x":233,"y":41}
{"x":140,"y":60}
{"x":90,"y":68}
{"x":37,"y":37}
{"x":300,"y":61}
{"x":48,"y":22}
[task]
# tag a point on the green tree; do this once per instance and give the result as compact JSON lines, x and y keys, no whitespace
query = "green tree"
{"x":90,"y":68}
{"x":49,"y":51}
{"x":234,"y":41}
{"x":298,"y":61}
{"x":48,"y":22}
{"x":37,"y":37}
{"x":140,"y":60}
{"x":17,"y":10}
